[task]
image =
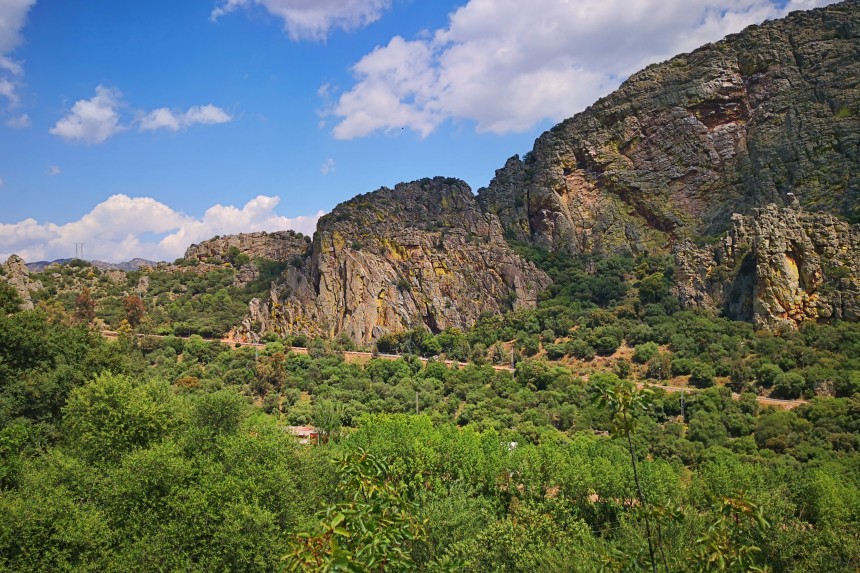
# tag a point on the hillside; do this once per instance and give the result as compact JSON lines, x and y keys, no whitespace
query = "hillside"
{"x":766,"y":119}
{"x":740,"y":159}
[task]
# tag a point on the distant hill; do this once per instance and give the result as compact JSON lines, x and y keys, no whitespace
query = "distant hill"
{"x":131,"y":265}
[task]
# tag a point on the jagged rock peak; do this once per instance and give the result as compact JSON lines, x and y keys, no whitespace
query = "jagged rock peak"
{"x":276,"y":246}
{"x":683,"y":145}
{"x":420,"y":255}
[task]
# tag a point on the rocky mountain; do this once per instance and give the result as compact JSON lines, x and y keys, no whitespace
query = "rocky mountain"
{"x":683,"y":145}
{"x":421,"y":254}
{"x":718,"y":140}
{"x":741,"y":158}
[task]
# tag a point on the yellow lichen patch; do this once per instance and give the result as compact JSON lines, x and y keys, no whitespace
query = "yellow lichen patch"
{"x":791,"y":267}
{"x":337,"y":241}
{"x":440,"y":269}
{"x":395,"y":251}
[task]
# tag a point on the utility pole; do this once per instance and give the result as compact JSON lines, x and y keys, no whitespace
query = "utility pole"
{"x":416,"y":402}
{"x":79,"y":246}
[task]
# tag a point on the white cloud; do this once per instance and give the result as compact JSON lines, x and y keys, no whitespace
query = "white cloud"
{"x":92,"y":120}
{"x":54,"y":170}
{"x":13,"y":16}
{"x":19,"y":121}
{"x":97,"y":119}
{"x":2,"y":183}
{"x":7,"y":90}
{"x":312,"y":19}
{"x":507,"y":67}
{"x":328,"y":166}
{"x":122,"y":228}
{"x":164,"y":118}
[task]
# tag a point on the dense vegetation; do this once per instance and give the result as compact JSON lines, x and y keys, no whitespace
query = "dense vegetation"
{"x":186,"y":298}
{"x":167,"y":454}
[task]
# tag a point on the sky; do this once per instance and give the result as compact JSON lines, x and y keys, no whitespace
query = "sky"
{"x":139,"y":128}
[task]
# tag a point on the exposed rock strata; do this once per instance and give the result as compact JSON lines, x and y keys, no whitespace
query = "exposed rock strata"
{"x":683,"y":145}
{"x":776,"y":267}
{"x":277,"y":246}
{"x":422,"y":254}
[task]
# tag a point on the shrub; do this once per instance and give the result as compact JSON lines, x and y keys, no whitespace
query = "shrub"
{"x":606,"y":345}
{"x":702,"y":375}
{"x":660,"y":366}
{"x":788,"y":385}
{"x":682,"y":366}
{"x":767,"y":373}
{"x":580,"y":349}
{"x":554,"y":351}
{"x":642,"y":353}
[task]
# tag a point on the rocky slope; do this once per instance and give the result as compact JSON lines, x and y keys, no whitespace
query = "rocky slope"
{"x":709,"y":142}
{"x":278,"y":246}
{"x":683,"y":145}
{"x":421,"y":254}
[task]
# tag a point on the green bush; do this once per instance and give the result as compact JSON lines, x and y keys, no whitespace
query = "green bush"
{"x":642,"y":353}
{"x":682,"y":366}
{"x":578,"y":348}
{"x":702,"y":375}
{"x":788,"y":385}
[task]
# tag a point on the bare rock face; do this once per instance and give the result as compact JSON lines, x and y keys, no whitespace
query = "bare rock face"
{"x":776,"y":267}
{"x":682,"y":145}
{"x":421,"y":254}
{"x":277,"y":246}
{"x":15,"y":273}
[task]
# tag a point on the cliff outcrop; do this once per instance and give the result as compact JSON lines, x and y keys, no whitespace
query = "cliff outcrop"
{"x":420,"y":255}
{"x":16,"y":273}
{"x":682,"y":145}
{"x":277,"y":246}
{"x":776,"y":267}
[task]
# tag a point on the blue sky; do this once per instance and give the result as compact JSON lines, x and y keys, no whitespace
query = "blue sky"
{"x":141,"y":127}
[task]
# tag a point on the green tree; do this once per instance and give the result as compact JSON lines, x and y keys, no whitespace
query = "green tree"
{"x":10,"y":300}
{"x":111,"y":415}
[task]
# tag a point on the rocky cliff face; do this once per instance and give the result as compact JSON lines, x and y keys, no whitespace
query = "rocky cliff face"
{"x":421,"y":254}
{"x":683,"y":145}
{"x":15,"y":272}
{"x":776,"y":267}
{"x":278,"y":246}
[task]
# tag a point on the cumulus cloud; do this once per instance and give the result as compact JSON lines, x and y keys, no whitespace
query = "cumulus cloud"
{"x":164,"y":118}
{"x":97,"y":119}
{"x":93,"y":120}
{"x":312,"y":19}
{"x":13,"y":16}
{"x":122,"y":228}
{"x":506,"y":67}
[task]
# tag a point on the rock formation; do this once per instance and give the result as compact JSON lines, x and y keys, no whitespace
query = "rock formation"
{"x":421,"y":254}
{"x":776,"y":267}
{"x":15,"y":273}
{"x":277,"y":246}
{"x":683,"y":145}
